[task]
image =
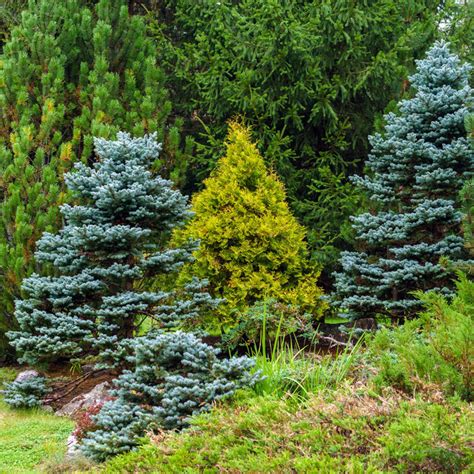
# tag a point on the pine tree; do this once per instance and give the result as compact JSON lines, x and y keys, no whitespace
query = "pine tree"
{"x":173,"y":376}
{"x":67,"y":73}
{"x":418,"y":167}
{"x":251,"y":247}
{"x":112,"y":242}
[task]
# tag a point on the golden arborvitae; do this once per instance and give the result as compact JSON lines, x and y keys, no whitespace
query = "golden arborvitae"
{"x":251,"y":245}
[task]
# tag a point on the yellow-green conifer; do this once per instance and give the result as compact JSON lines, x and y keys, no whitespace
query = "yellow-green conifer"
{"x":252,"y":247}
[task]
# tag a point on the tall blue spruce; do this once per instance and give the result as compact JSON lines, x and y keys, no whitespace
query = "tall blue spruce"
{"x":112,"y":243}
{"x":417,"y":168}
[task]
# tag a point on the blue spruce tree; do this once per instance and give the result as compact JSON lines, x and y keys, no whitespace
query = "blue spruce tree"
{"x":112,"y":242}
{"x":417,"y":169}
{"x":172,"y":377}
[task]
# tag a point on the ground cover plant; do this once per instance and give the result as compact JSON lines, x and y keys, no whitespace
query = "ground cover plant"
{"x":342,"y":433}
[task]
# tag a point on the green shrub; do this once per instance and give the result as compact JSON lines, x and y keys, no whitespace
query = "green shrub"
{"x":251,"y":246}
{"x":438,"y":347}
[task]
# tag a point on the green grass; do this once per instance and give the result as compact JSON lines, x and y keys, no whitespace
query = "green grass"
{"x":7,"y":374}
{"x":29,"y":438}
{"x":291,"y":372}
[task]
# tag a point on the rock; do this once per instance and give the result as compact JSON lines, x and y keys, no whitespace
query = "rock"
{"x":72,"y":446}
{"x":26,"y":375}
{"x":98,"y":395}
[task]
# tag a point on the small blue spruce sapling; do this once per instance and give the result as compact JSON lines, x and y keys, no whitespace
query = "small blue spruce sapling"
{"x":173,"y":376}
{"x":26,"y":393}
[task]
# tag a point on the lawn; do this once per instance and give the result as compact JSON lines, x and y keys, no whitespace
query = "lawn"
{"x":29,"y":438}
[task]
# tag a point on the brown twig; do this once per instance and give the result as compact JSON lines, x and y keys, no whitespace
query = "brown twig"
{"x":333,"y":342}
{"x":75,"y":383}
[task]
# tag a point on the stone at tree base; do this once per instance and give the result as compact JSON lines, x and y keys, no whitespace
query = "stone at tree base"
{"x":27,"y":375}
{"x":72,"y":446}
{"x":98,"y":395}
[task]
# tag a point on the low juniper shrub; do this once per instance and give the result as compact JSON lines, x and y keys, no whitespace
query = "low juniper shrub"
{"x":438,"y":347}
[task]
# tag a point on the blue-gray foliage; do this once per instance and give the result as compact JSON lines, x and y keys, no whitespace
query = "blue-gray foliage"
{"x":113,"y":240}
{"x":172,"y":377}
{"x":417,"y":168}
{"x":25,"y":393}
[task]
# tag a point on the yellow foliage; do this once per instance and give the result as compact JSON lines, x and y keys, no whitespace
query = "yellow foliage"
{"x":251,"y":246}
{"x":66,"y":151}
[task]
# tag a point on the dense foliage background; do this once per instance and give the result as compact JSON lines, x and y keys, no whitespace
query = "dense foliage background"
{"x":264,"y":200}
{"x":308,"y":77}
{"x":77,"y":69}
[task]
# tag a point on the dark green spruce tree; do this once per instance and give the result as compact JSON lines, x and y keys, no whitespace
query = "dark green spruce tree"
{"x":111,"y":243}
{"x":308,"y":76}
{"x":70,"y":71}
{"x":418,"y":167}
